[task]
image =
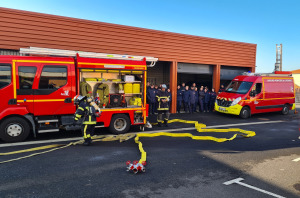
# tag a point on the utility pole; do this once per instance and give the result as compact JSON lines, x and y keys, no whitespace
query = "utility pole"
{"x":278,"y":64}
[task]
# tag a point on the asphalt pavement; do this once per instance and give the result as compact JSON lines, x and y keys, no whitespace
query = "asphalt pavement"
{"x":269,"y":163}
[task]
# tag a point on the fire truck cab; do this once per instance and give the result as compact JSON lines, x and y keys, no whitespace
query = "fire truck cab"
{"x":37,"y":91}
{"x":257,"y":93}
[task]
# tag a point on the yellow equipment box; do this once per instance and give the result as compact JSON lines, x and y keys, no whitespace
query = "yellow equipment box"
{"x":128,"y":88}
{"x":135,"y":101}
{"x":136,"y":88}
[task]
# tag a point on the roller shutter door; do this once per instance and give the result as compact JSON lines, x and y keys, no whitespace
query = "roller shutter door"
{"x":189,"y":68}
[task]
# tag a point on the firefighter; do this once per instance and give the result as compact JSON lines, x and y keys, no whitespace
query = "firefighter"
{"x":179,"y":98}
{"x":222,"y":89}
{"x":183,"y":87}
{"x":193,"y":86}
{"x":163,"y":106}
{"x":86,"y":109}
{"x":156,"y":103}
{"x":213,"y":96}
{"x":201,"y":99}
{"x":151,"y":95}
{"x":206,"y":99}
{"x":186,"y":99}
{"x":196,"y":100}
{"x":192,"y":99}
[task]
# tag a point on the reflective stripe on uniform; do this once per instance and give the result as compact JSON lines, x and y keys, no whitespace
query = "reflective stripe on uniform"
{"x":162,"y":109}
{"x":92,"y":122}
{"x":84,"y":132}
{"x":78,"y":116}
{"x":163,"y":97}
{"x":82,"y":109}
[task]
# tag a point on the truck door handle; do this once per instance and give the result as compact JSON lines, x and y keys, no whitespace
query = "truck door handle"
{"x":68,"y":100}
{"x":12,"y":101}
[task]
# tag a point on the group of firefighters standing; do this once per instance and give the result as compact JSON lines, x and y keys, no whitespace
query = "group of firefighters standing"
{"x":191,"y":98}
{"x":159,"y":99}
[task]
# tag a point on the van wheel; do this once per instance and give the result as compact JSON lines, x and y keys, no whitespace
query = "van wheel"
{"x":285,"y":110}
{"x":245,"y":113}
{"x":119,"y":124}
{"x":14,"y":129}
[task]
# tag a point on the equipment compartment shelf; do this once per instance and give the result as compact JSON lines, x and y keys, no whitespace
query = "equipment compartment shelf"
{"x":114,"y":82}
{"x":131,"y":94}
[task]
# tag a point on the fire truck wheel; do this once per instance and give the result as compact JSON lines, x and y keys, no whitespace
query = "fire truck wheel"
{"x":285,"y":110}
{"x":14,"y":129}
{"x":119,"y":124}
{"x":245,"y":113}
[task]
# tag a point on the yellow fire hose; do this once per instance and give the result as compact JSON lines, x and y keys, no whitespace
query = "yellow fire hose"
{"x":124,"y":137}
{"x":199,"y":127}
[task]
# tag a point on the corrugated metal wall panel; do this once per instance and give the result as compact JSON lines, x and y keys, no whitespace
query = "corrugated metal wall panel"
{"x":42,"y":30}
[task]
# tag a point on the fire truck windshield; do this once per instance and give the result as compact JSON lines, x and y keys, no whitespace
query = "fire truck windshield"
{"x":240,"y":87}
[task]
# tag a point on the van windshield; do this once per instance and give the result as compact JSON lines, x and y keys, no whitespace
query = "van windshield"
{"x":240,"y":87}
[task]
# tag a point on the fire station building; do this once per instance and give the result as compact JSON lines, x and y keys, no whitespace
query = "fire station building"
{"x":182,"y":58}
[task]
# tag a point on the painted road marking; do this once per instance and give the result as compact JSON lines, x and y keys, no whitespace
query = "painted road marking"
{"x":296,"y":160}
{"x":238,"y":181}
{"x":156,"y":131}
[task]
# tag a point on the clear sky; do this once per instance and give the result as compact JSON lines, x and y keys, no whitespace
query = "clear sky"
{"x":263,"y":22}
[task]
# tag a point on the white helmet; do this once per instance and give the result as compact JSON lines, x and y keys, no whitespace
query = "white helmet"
{"x":78,"y":98}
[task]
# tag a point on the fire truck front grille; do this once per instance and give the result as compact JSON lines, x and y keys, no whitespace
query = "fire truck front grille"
{"x":224,"y":103}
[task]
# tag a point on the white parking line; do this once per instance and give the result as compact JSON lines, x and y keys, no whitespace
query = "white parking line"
{"x":238,"y":181}
{"x":296,"y":160}
{"x":156,"y":131}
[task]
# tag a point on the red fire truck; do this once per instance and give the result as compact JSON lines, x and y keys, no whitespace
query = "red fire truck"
{"x":257,"y":93}
{"x":37,"y":91}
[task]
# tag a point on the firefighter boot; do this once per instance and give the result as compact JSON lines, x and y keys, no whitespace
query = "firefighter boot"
{"x":166,"y":123}
{"x":86,"y":142}
{"x":159,"y":124}
{"x":90,"y":140}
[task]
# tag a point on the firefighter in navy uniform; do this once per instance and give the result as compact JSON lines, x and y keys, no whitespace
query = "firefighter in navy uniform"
{"x":163,"y":99}
{"x":86,"y":110}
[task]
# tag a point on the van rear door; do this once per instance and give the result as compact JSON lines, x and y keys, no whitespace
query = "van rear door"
{"x":278,"y":91}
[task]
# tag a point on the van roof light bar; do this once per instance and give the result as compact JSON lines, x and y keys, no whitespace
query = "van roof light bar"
{"x":264,"y":74}
{"x":59,"y":52}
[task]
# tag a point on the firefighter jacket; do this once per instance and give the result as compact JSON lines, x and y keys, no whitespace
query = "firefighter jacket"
{"x":87,"y":111}
{"x":151,"y":94}
{"x":213,"y":96}
{"x":206,"y":97}
{"x":197,"y":97}
{"x":193,"y":94}
{"x":201,"y":95}
{"x":179,"y":95}
{"x":162,"y":98}
{"x":186,"y":96}
{"x":221,"y":90}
